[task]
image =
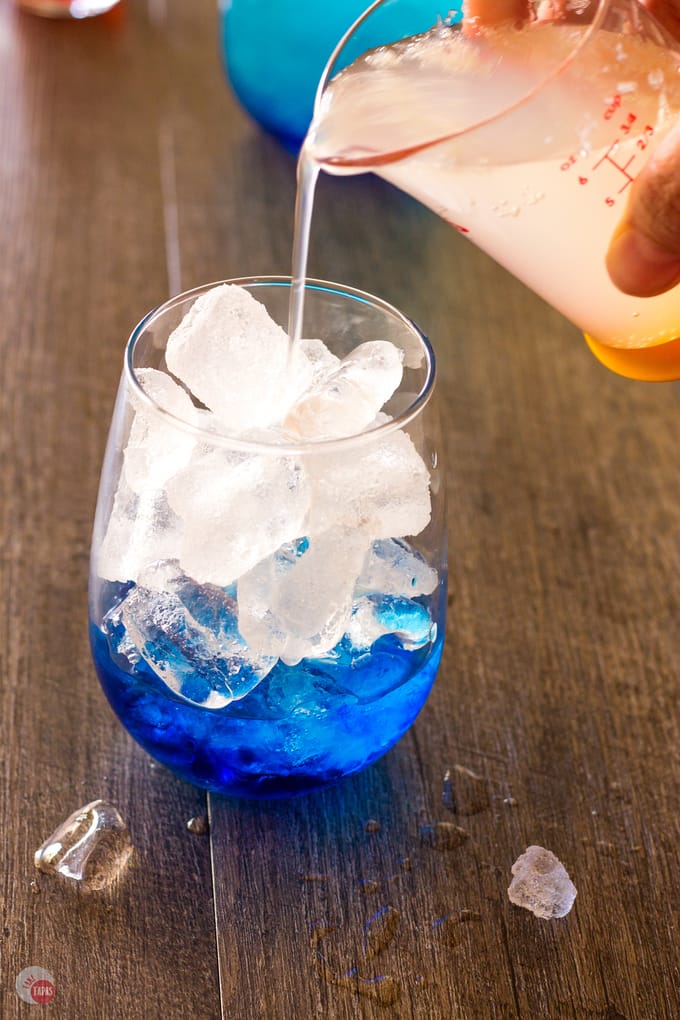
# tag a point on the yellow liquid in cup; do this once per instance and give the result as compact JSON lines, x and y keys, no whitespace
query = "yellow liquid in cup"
{"x":647,"y":364}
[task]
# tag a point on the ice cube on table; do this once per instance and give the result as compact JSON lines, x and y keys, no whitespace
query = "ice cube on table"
{"x":374,"y":616}
{"x":236,"y":509}
{"x":92,"y":846}
{"x":141,"y":530}
{"x":189,"y":637}
{"x":297,"y":604}
{"x":541,"y":884}
{"x":394,"y":568}
{"x":381,"y":487}
{"x":156,"y":447}
{"x":232,"y":357}
{"x":346,"y":401}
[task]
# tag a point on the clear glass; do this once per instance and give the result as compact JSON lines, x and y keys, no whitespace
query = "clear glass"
{"x":295,"y":640}
{"x":526,"y":139}
{"x":67,"y":8}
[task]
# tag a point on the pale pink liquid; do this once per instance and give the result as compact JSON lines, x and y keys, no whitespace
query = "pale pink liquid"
{"x":541,"y":189}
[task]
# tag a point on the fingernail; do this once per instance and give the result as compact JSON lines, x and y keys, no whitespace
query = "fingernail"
{"x":639,"y":266}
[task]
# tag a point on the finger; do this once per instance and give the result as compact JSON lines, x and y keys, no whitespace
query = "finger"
{"x":489,"y":13}
{"x":667,"y":13}
{"x":567,"y":12}
{"x":644,"y":255}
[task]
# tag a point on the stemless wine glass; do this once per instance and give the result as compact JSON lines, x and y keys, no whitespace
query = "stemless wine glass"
{"x":267,"y":614}
{"x":525,"y":137}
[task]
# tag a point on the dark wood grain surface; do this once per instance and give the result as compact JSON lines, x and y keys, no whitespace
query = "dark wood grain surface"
{"x":127,"y":172}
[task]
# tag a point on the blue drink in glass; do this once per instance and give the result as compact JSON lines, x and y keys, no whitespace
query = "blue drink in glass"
{"x":321,"y":646}
{"x":301,"y":728}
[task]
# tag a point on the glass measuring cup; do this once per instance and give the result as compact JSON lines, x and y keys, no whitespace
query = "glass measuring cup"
{"x":526,"y":138}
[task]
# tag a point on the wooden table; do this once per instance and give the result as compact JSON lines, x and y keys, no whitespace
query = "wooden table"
{"x":127,"y":171}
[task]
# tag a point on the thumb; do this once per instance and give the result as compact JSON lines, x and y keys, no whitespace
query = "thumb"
{"x":644,"y":255}
{"x":667,"y":13}
{"x":489,"y":13}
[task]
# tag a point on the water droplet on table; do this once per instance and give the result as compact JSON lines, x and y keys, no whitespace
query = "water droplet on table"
{"x":446,"y":927}
{"x":464,"y":792}
{"x":92,"y":846}
{"x":443,"y":836}
{"x":369,"y":887}
{"x":198,"y":825}
{"x":612,"y":1013}
{"x":379,"y":931}
{"x":321,"y":932}
{"x":382,"y":989}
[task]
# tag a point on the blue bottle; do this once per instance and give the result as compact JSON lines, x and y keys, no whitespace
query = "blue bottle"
{"x":274,"y":51}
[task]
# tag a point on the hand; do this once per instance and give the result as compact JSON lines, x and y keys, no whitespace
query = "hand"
{"x":644,"y":255}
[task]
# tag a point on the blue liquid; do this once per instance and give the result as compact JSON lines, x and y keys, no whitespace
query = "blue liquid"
{"x":303,"y":727}
{"x":275,"y":51}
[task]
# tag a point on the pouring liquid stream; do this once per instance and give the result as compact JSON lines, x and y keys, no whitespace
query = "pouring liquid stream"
{"x":307,"y":175}
{"x":519,"y":185}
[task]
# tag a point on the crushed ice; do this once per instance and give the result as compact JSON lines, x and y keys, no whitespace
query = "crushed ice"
{"x":541,"y":884}
{"x":310,"y":538}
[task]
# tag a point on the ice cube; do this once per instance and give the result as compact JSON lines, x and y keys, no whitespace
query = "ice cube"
{"x":156,"y":447}
{"x":347,"y":400}
{"x":161,"y":575}
{"x":91,"y":847}
{"x":189,"y":637}
{"x":376,"y":615}
{"x":381,"y":487}
{"x":236,"y":510}
{"x":297,"y":604}
{"x":232,"y":356}
{"x":394,"y":568}
{"x":541,"y":884}
{"x":141,"y":530}
{"x":312,"y":362}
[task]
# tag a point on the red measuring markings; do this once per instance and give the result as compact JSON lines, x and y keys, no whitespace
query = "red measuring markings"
{"x":621,"y":169}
